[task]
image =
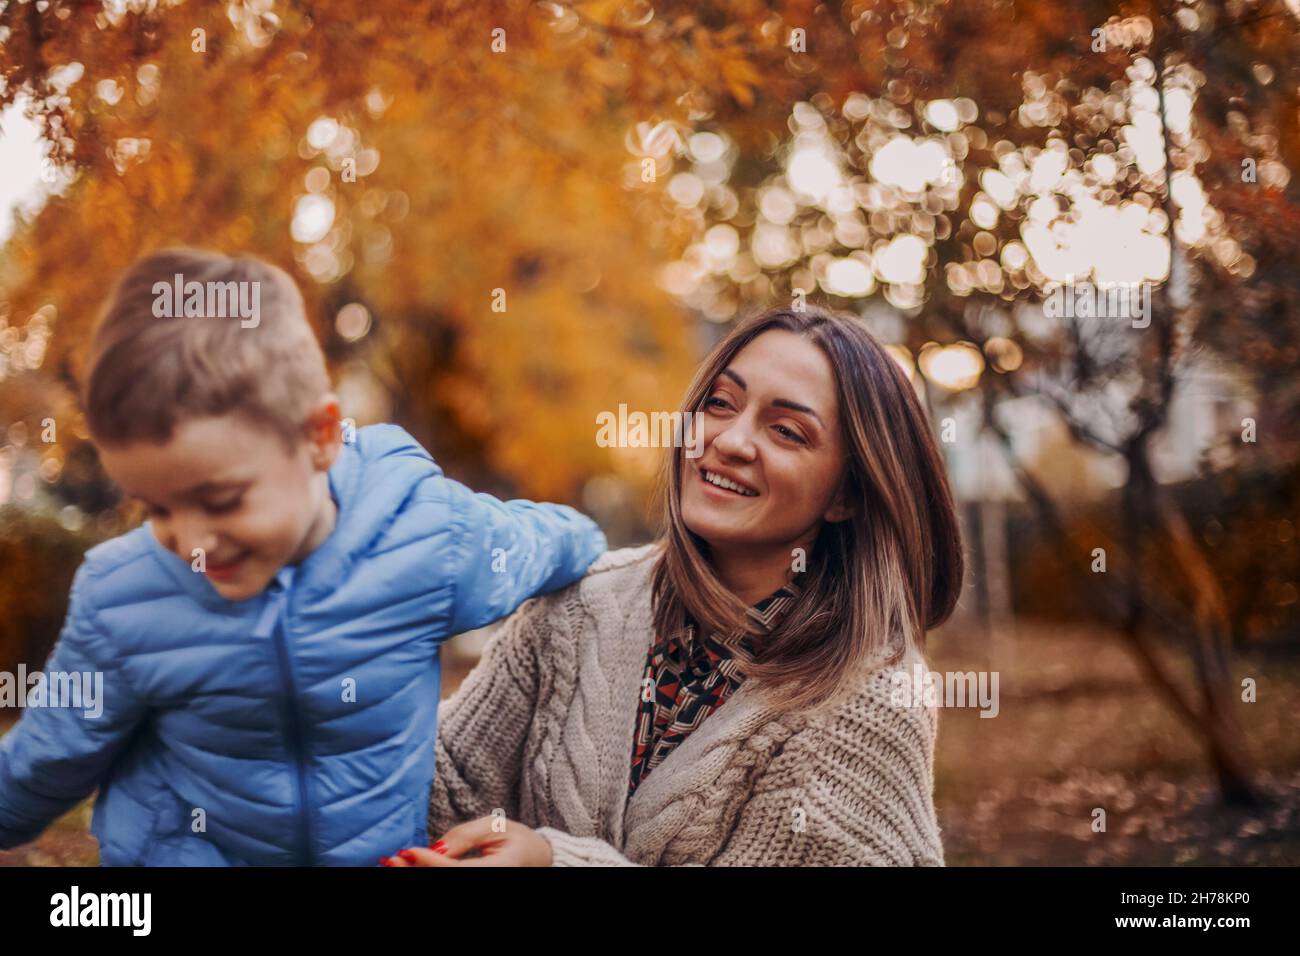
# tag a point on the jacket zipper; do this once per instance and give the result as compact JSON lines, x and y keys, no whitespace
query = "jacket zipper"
{"x":295,"y":737}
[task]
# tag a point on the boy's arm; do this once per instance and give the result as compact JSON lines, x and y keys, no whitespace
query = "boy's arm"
{"x":55,"y":756}
{"x":513,"y":550}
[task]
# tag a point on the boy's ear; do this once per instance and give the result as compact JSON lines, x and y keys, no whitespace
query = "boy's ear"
{"x":325,"y":431}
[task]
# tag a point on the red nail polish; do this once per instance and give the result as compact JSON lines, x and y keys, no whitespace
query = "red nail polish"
{"x":408,"y":855}
{"x":434,"y":846}
{"x":441,"y":849}
{"x":385,"y":861}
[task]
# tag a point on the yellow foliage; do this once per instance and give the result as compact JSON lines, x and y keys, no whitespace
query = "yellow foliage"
{"x":494,"y":171}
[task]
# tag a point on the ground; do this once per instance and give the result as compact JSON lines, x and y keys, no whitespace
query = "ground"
{"x":1077,"y":730}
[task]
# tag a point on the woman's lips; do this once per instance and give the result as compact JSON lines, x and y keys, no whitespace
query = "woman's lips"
{"x":718,"y":490}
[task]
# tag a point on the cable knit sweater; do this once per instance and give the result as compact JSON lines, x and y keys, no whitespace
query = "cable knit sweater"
{"x":541,"y":730}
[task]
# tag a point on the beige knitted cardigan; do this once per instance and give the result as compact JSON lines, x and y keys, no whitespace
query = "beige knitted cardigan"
{"x":541,"y":730}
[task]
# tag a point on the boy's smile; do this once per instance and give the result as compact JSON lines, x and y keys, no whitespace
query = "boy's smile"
{"x":229,"y":498}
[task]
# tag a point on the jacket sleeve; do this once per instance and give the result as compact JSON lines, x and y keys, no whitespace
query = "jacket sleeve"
{"x":482,"y":728}
{"x":56,"y":755}
{"x":513,"y":550}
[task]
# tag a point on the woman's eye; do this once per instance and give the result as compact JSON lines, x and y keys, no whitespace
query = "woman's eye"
{"x":715,"y":402}
{"x":222,"y":507}
{"x":791,"y":434}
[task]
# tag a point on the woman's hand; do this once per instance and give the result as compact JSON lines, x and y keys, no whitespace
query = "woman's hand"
{"x":500,"y":842}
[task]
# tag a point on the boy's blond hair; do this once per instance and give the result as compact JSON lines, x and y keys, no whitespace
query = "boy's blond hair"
{"x":147,"y":373}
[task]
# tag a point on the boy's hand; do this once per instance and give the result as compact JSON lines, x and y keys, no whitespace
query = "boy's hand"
{"x":513,"y":844}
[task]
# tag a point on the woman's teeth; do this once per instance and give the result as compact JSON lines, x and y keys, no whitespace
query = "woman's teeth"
{"x":727,"y":483}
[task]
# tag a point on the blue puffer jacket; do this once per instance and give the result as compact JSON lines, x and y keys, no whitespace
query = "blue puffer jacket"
{"x":295,"y":727}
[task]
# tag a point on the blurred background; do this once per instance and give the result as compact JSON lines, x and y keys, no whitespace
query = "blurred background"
{"x":508,"y":217}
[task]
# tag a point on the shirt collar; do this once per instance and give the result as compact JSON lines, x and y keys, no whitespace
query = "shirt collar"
{"x":763,"y":616}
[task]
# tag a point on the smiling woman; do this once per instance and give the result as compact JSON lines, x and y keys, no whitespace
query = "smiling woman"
{"x":810,"y":412}
{"x":722,"y":697}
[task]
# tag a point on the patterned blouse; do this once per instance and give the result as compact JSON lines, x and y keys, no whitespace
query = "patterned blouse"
{"x":692,"y":678}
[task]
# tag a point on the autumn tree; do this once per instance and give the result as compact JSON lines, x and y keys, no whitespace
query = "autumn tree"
{"x":486,"y":203}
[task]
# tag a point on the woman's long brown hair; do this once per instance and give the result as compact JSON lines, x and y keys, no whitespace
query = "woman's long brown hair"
{"x":875,"y":582}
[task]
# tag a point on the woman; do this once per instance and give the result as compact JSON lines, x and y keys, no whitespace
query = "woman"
{"x":723,"y":696}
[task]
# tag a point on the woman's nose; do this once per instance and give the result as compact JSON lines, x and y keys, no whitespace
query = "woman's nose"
{"x":735,"y":439}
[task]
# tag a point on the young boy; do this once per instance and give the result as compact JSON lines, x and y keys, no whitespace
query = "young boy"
{"x":269,"y":640}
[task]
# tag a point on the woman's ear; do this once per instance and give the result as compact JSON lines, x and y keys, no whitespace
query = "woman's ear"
{"x":843,"y":506}
{"x":325,"y":432}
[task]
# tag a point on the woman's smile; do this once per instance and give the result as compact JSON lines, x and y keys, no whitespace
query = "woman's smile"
{"x":725,"y":485}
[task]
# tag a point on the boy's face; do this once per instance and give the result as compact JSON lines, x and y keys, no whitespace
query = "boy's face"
{"x":235,"y":491}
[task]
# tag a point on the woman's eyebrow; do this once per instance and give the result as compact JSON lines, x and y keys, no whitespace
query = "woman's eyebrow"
{"x":735,"y":378}
{"x":795,"y":406}
{"x":779,"y":402}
